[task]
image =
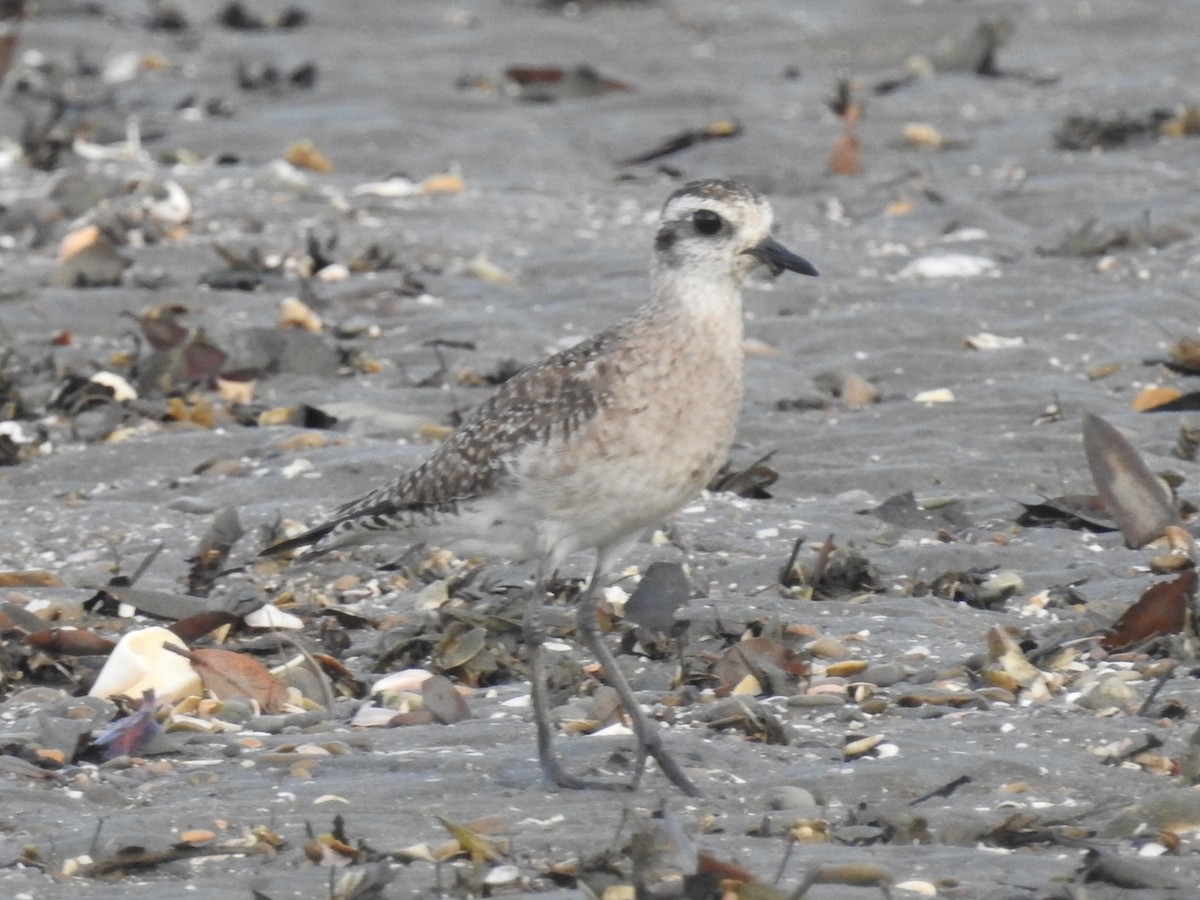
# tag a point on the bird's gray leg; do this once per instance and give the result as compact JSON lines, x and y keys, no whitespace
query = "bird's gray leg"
{"x":551,"y":765}
{"x":649,"y":739}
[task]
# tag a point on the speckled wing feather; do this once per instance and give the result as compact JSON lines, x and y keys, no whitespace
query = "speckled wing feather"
{"x":545,"y":401}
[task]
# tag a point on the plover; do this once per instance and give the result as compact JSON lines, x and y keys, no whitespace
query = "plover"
{"x":588,"y":448}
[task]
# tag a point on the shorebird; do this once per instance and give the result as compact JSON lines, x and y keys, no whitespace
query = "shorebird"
{"x":588,"y":448}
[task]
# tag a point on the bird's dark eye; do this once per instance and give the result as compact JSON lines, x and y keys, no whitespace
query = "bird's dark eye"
{"x":706,"y":221}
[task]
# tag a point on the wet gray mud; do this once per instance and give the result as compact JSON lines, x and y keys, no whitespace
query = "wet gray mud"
{"x":1078,"y":249}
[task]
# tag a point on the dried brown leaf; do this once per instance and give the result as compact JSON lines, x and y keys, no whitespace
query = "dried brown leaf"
{"x":1162,"y":609}
{"x":231,"y":675}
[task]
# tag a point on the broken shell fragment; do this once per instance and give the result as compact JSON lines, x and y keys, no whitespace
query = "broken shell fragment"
{"x":271,"y":616}
{"x":861,"y":746}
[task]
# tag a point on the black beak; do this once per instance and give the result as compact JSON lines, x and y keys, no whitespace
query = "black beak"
{"x":778,"y":257}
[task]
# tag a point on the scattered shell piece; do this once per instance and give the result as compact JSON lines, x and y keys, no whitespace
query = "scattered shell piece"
{"x":433,"y":596}
{"x":297,"y":467}
{"x":79,"y":240}
{"x":395,"y":187}
{"x":122,"y":390}
{"x":198,"y":837}
{"x":759,"y":349}
{"x":446,"y":183}
{"x":334,"y":272}
{"x":748,"y":686}
{"x":373,"y":717}
{"x":949,"y":265}
{"x":1179,"y":540}
{"x":827,"y":648}
{"x":140,"y":662}
{"x":1155,"y":396}
{"x":305,"y":155}
{"x":1008,"y":668}
{"x":271,"y":616}
{"x":846,"y":667}
{"x":857,"y":392}
{"x":923,"y":136}
{"x":485,"y":270}
{"x":936,"y":395}
{"x":170,"y":205}
{"x":294,"y":313}
{"x":502,"y":875}
{"x":1169,"y":563}
{"x":924,"y":888}
{"x":616,"y":597}
{"x":985,"y":340}
{"x":404,"y":680}
{"x":237,"y":391}
{"x":856,"y":748}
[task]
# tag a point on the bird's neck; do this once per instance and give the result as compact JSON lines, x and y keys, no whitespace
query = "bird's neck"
{"x":703,"y":299}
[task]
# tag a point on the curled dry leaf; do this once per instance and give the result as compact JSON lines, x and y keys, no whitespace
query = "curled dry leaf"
{"x":230,"y":675}
{"x":1162,"y":609}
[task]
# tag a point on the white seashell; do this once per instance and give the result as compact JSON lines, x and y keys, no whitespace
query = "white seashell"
{"x":615,"y":730}
{"x":334,"y":272}
{"x":174,"y":207}
{"x":924,"y":888}
{"x":616,"y":597}
{"x":965,"y":234}
{"x":122,"y":389}
{"x":502,"y":875}
{"x":949,"y":265}
{"x":937,"y":395}
{"x":297,"y":467}
{"x":393,"y":187}
{"x":140,"y":662}
{"x":281,"y":174}
{"x":271,"y":616}
{"x":14,"y":432}
{"x":985,"y":340}
{"x":405,"y":680}
{"x":122,"y":67}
